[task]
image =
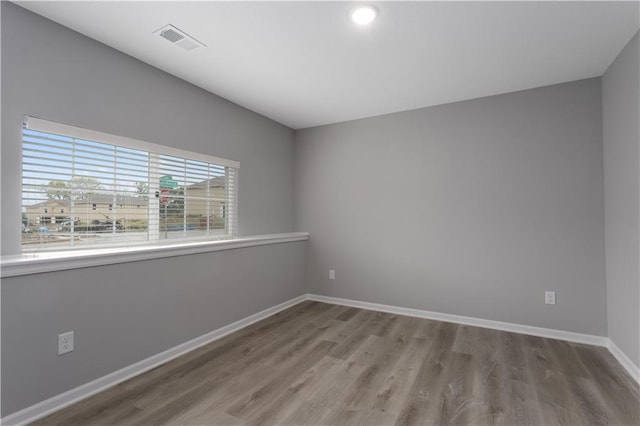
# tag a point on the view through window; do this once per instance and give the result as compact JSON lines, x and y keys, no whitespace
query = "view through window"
{"x":80,"y":191}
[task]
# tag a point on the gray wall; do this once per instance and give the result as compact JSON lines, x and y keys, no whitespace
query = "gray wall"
{"x":54,"y":73}
{"x":124,"y":313}
{"x":472,"y":208}
{"x":621,"y":115}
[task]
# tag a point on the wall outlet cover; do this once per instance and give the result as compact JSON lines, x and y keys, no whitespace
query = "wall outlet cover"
{"x":550,"y":297}
{"x":65,"y":343}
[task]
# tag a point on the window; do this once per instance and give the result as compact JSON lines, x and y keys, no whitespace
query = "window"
{"x":119,"y":191}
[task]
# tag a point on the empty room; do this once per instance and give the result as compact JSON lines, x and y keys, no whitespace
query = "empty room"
{"x":320,"y":213}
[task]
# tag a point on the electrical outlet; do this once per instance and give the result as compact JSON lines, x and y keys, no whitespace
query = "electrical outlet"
{"x":65,"y":343}
{"x":550,"y":297}
{"x":332,"y":274}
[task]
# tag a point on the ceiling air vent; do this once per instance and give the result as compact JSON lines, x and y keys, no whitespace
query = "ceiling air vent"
{"x":177,"y":37}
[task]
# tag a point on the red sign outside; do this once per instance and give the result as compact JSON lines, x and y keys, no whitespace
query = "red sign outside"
{"x":163,"y":195}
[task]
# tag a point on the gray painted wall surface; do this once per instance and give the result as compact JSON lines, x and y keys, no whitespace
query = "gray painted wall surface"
{"x":621,"y":138}
{"x":124,"y":313}
{"x":472,"y":208}
{"x":54,"y":73}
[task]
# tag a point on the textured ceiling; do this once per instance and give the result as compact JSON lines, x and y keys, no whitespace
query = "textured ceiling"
{"x":305,"y":64}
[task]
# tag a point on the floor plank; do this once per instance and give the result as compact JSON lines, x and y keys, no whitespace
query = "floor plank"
{"x":322,"y":364}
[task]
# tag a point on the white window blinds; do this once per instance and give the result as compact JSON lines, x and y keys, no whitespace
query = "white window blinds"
{"x":86,"y":189}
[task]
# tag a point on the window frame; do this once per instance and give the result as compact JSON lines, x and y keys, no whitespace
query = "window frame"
{"x":231,"y":224}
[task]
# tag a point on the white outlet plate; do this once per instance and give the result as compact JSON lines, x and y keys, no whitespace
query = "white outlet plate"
{"x":332,"y":274}
{"x":550,"y":297}
{"x":65,"y":343}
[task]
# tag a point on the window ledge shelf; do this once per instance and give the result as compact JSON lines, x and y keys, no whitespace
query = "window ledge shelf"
{"x":27,"y":264}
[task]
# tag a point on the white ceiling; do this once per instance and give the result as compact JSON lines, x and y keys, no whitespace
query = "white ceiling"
{"x":304,"y":64}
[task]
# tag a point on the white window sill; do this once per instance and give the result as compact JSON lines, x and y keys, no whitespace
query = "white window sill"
{"x":27,"y":264}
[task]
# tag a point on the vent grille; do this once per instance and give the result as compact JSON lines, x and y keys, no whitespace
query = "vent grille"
{"x":179,"y":37}
{"x":171,"y":35}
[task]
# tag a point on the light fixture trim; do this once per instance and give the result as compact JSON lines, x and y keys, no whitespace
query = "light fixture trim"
{"x":364,"y":15}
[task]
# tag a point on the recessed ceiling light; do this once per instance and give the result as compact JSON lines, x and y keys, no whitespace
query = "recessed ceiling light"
{"x":364,"y":15}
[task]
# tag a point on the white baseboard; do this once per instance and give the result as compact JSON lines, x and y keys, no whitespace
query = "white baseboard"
{"x":459,"y":319}
{"x":624,"y":360}
{"x":48,"y":406}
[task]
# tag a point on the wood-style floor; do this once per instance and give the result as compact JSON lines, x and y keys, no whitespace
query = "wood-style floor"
{"x":321,"y":364}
